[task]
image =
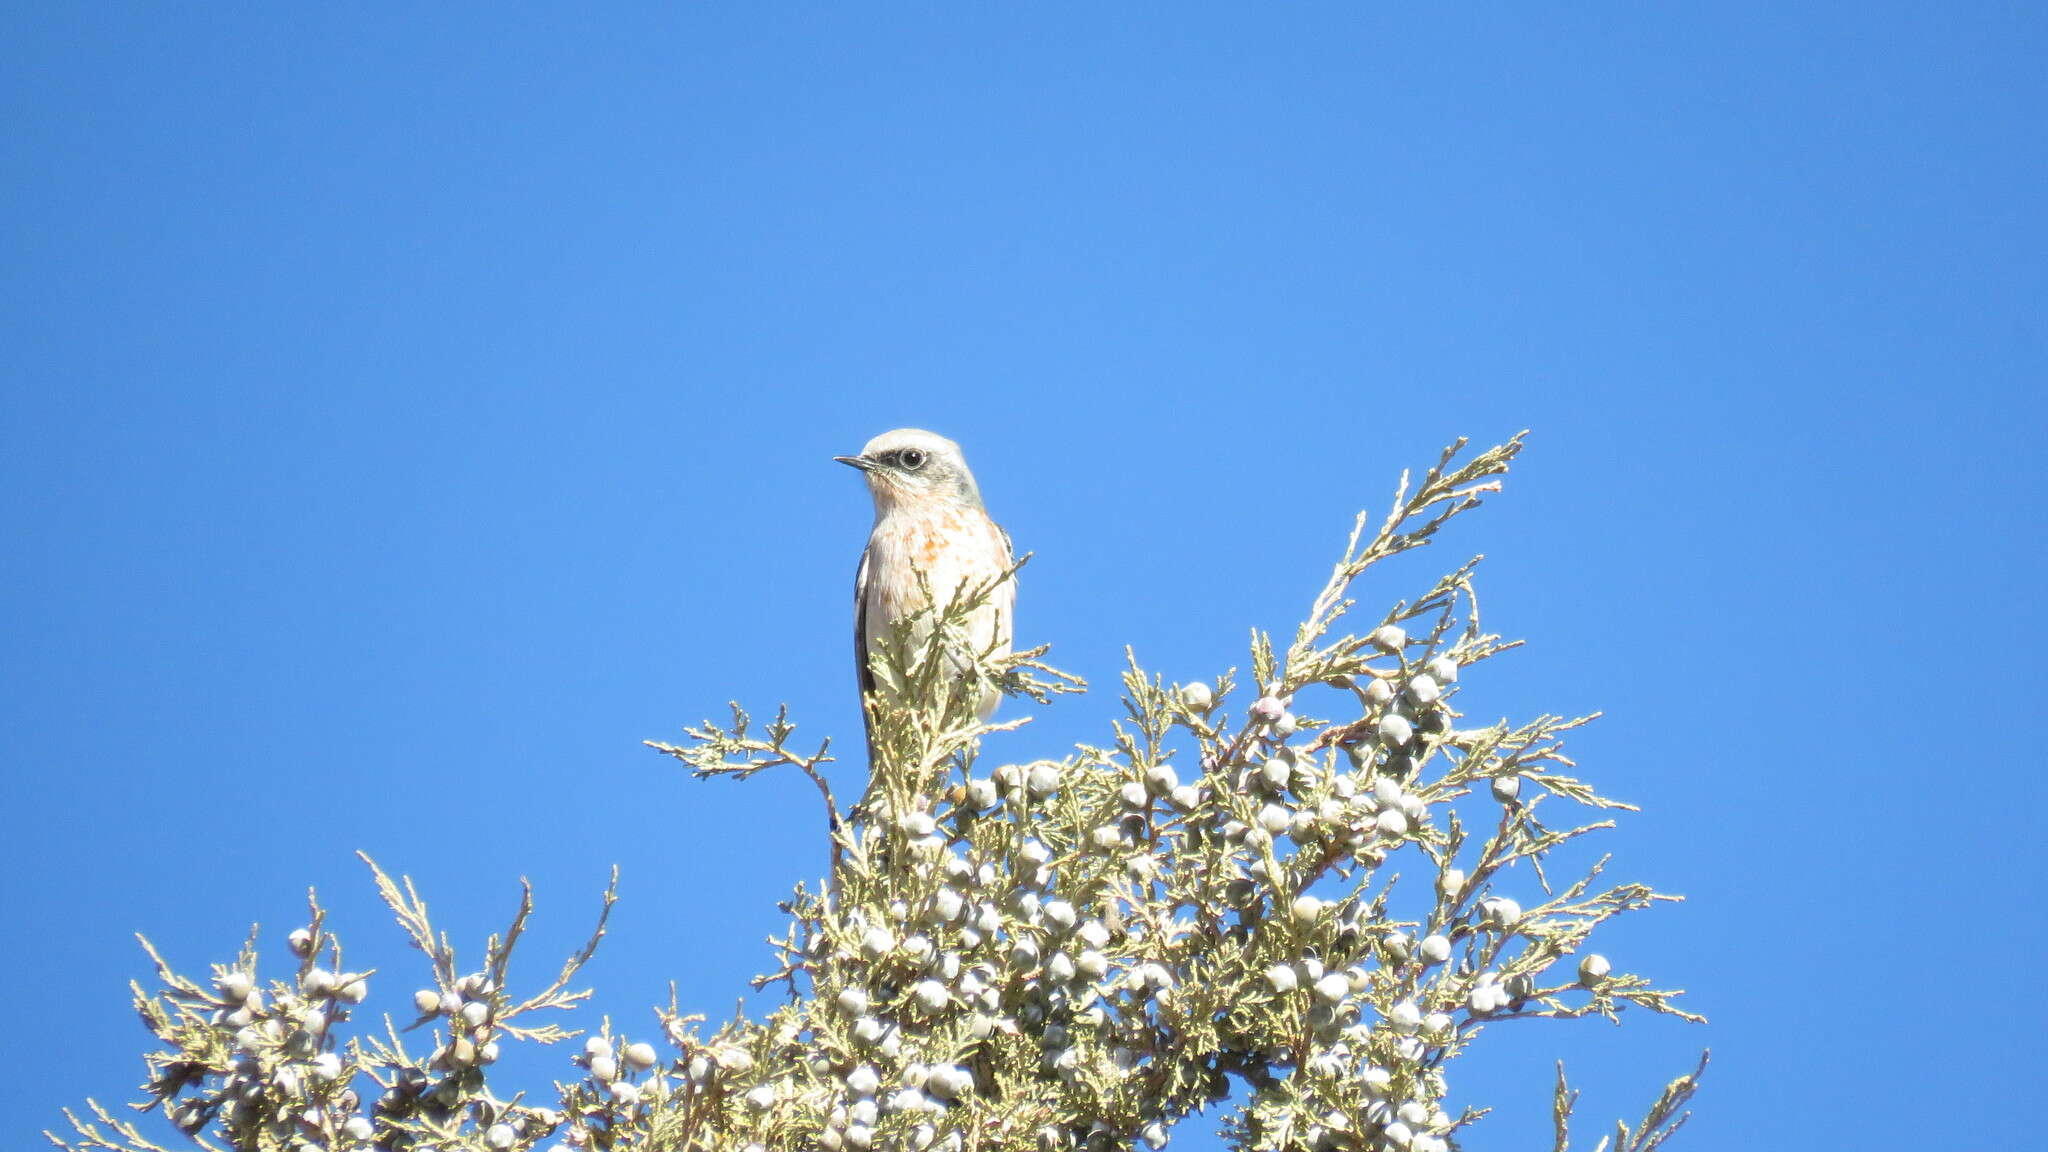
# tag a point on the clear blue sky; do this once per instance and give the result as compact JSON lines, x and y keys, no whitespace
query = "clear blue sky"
{"x":409,"y":412}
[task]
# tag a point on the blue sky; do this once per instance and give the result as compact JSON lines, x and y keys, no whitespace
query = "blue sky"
{"x":408,"y":412}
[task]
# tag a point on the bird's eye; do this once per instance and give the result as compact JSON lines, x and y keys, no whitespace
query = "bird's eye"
{"x":911,"y":459}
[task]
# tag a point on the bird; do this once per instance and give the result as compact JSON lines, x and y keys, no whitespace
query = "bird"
{"x":929,"y":520}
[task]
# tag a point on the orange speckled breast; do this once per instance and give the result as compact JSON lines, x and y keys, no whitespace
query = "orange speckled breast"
{"x":954,"y":548}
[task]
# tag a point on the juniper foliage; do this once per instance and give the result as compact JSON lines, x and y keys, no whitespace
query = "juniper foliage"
{"x":1070,"y":954}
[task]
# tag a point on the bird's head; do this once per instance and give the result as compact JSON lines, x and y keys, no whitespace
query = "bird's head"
{"x":910,"y":465}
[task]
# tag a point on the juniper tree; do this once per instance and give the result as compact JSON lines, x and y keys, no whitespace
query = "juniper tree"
{"x":1059,"y":954}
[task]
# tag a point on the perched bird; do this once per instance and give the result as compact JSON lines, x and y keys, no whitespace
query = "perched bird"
{"x":929,"y":519}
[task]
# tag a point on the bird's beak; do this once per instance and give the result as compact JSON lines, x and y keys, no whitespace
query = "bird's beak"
{"x":860,"y":462}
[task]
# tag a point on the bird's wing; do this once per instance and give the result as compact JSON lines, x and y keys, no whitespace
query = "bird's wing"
{"x":863,"y":675}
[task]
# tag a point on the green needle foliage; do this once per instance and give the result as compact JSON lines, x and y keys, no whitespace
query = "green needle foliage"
{"x":1070,"y":954}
